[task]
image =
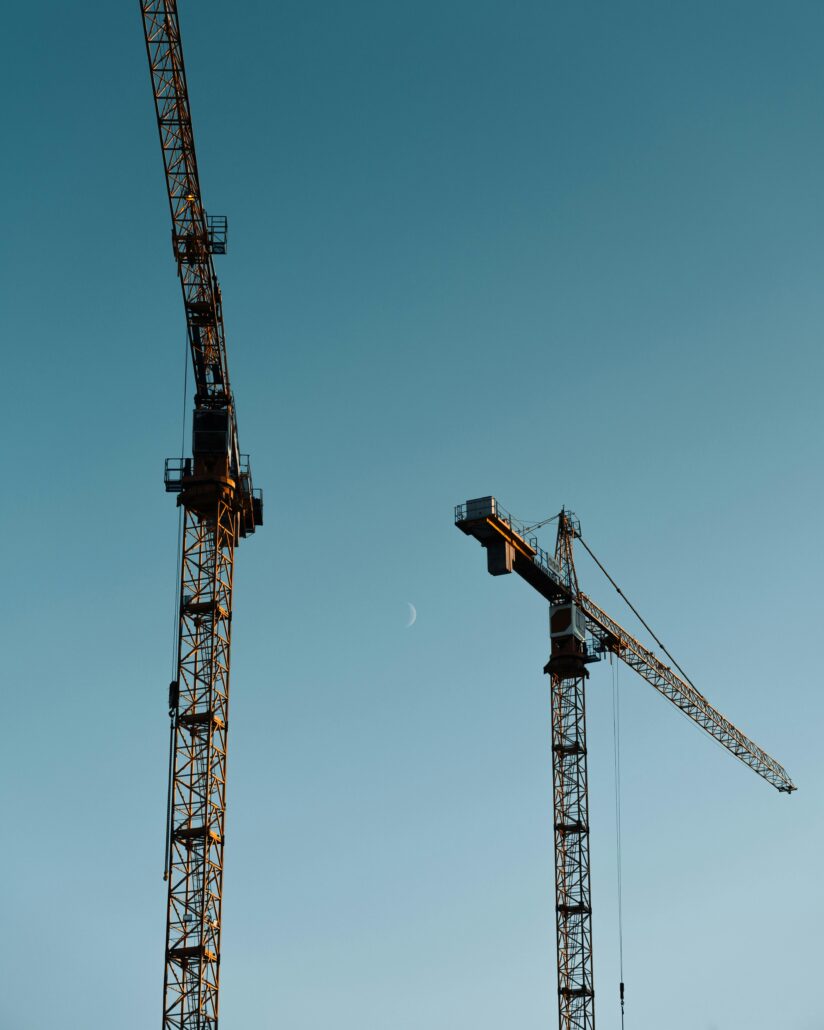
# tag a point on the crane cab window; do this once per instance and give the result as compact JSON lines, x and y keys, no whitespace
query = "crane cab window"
{"x":210,"y":432}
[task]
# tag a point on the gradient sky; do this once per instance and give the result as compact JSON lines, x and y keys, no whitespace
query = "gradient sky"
{"x":563,"y":253}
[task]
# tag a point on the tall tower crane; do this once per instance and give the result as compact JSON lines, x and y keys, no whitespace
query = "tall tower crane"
{"x":214,"y":489}
{"x":580,"y":633}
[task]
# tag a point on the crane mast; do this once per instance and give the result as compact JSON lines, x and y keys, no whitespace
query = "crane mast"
{"x":580,"y":632}
{"x":220,"y":506}
{"x":570,"y":804}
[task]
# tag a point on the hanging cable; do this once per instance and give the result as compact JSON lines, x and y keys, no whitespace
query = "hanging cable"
{"x":616,"y":741}
{"x":185,"y":396}
{"x":174,"y":686}
{"x":174,"y":697}
{"x":646,"y":625}
{"x":530,"y":528}
{"x":635,"y":612}
{"x":178,"y":584}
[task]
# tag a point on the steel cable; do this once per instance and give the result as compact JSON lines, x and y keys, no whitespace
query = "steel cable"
{"x":636,"y":613}
{"x":616,"y":740}
{"x":175,"y":632}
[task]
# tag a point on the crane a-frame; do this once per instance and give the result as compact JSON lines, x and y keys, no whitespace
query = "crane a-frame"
{"x":580,"y":632}
{"x":220,"y":506}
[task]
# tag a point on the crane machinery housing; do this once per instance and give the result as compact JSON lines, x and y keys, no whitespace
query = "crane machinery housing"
{"x":581,"y":633}
{"x":220,"y":506}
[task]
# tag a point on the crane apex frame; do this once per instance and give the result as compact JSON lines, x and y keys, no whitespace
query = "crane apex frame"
{"x":581,"y":633}
{"x":220,"y":506}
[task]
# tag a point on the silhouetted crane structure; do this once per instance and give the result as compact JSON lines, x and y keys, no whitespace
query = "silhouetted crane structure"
{"x":220,"y":506}
{"x":580,"y":632}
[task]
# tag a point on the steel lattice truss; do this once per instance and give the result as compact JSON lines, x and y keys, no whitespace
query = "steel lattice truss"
{"x":511,"y":548}
{"x":199,"y":777}
{"x":683,"y":695}
{"x":556,"y":583}
{"x":573,"y":907}
{"x":190,"y":229}
{"x":220,"y":505}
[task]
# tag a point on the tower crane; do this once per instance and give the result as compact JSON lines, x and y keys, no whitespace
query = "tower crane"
{"x":219,"y":506}
{"x":580,"y":633}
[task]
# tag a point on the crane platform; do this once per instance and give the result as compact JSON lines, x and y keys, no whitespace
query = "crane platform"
{"x":511,"y":548}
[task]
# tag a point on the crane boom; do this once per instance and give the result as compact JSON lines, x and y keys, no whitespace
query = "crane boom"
{"x":195,"y":236}
{"x":612,"y":637}
{"x":220,"y":506}
{"x":191,"y":239}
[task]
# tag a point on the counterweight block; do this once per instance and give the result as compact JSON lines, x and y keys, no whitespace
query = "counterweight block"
{"x":500,"y":557}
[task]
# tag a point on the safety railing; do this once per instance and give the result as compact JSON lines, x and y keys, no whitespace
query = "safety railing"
{"x":174,"y":472}
{"x":543,"y":559}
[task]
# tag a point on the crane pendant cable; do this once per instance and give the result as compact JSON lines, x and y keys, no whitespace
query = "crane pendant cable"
{"x":616,"y":739}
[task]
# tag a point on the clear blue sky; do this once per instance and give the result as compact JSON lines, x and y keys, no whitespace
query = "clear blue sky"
{"x":564,"y":253}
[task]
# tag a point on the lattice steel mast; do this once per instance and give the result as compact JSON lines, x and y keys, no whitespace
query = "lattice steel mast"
{"x":570,"y":805}
{"x":579,"y":632}
{"x":220,"y":506}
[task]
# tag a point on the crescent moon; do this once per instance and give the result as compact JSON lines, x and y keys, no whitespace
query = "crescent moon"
{"x":413,"y":614}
